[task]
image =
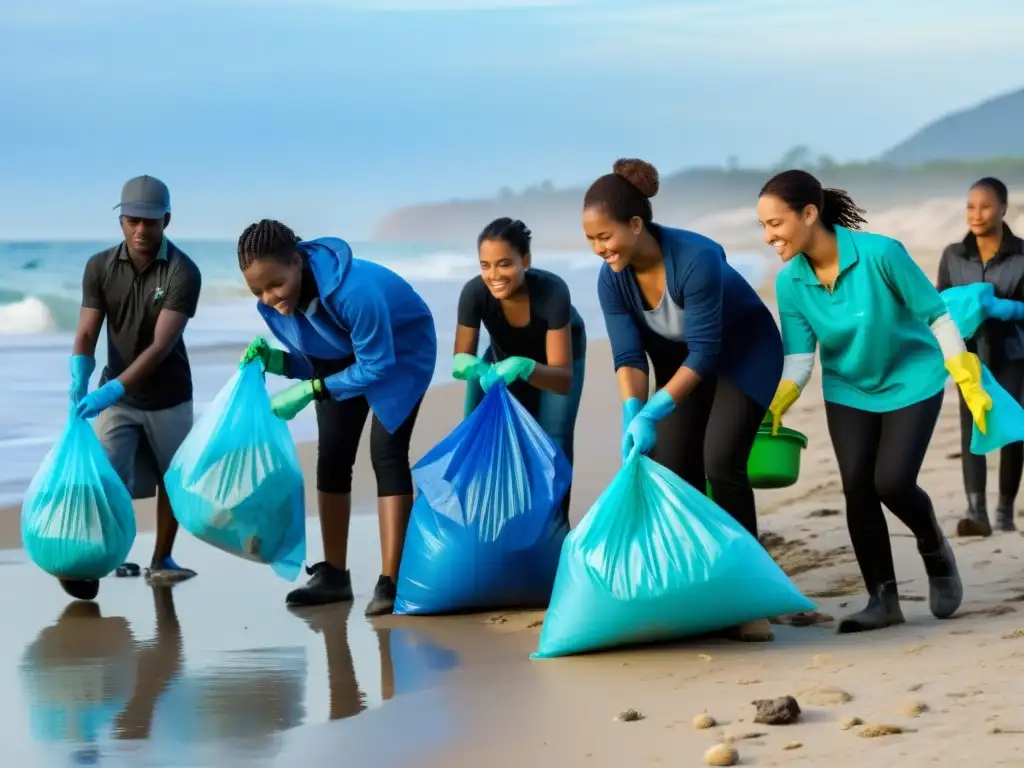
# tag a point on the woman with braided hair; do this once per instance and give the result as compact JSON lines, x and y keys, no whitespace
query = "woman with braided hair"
{"x":359,"y":338}
{"x":670,"y":295}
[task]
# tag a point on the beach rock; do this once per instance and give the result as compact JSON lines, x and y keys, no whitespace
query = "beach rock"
{"x":850,"y":722}
{"x":826,"y":696}
{"x":781,"y":711}
{"x":629,"y":716}
{"x":721,"y":754}
{"x":704,"y":721}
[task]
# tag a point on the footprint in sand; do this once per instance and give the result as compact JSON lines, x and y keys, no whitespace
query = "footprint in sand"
{"x":994,"y":610}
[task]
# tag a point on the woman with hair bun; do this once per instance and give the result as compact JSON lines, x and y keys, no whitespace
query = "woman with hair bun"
{"x":990,"y":253}
{"x":538,"y":340}
{"x":670,"y":295}
{"x":886,"y":342}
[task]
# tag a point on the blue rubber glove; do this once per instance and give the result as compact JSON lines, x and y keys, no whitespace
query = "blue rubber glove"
{"x":82,"y":367}
{"x":99,"y":400}
{"x":630,"y":409}
{"x":641,"y":434}
{"x":1004,"y":309}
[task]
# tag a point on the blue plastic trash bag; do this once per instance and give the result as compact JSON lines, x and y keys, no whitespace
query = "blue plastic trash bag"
{"x":235,"y":483}
{"x":655,"y":559}
{"x":77,"y":519}
{"x":969,"y":306}
{"x":487,"y":526}
{"x":1004,"y":423}
{"x":966,"y":305}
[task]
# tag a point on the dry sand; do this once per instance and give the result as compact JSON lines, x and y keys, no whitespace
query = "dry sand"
{"x":949,"y":686}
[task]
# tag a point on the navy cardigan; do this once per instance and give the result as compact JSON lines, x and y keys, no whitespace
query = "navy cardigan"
{"x":729,"y":331}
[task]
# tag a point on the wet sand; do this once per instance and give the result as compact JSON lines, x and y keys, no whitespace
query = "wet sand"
{"x":259,"y":682}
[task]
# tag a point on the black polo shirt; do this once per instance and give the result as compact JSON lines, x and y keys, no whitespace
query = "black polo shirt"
{"x":131,"y":301}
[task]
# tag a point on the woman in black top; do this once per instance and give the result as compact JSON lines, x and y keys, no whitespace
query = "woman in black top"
{"x":990,"y":253}
{"x":538,"y":341}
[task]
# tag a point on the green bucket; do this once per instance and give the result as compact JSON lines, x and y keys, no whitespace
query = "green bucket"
{"x":775,"y":460}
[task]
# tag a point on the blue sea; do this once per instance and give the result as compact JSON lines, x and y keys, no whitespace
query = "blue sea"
{"x":41,"y":291}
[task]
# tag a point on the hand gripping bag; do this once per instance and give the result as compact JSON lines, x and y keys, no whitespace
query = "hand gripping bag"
{"x":77,"y":519}
{"x":655,"y":559}
{"x":235,"y":482}
{"x":486,"y":527}
{"x":1004,"y":423}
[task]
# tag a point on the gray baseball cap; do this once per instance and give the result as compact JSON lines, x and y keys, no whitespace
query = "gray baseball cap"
{"x":145,"y":197}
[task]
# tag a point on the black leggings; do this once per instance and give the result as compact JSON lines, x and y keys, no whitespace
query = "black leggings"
{"x":340,"y":426}
{"x":1010,"y":376}
{"x":708,"y":437}
{"x":880,"y":457}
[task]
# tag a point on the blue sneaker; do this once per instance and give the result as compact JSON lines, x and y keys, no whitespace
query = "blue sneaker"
{"x":168,"y":572}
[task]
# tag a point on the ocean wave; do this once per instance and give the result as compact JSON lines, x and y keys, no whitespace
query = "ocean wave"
{"x":22,"y":313}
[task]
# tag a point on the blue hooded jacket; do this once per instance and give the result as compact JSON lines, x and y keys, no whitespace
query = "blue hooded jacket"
{"x":367,"y":311}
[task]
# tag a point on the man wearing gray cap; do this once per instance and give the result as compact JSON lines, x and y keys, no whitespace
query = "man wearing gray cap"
{"x":146,"y":290}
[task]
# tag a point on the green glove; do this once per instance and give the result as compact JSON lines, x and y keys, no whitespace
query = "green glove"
{"x":510,"y":369}
{"x":287,"y":404}
{"x":274,"y":360}
{"x":466,"y":367}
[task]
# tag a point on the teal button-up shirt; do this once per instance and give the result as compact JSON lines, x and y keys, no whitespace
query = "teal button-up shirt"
{"x":877,"y":349}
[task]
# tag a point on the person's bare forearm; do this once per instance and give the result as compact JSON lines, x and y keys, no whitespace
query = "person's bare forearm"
{"x":552,"y":378}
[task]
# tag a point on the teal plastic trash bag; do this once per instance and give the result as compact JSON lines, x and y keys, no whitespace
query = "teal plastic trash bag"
{"x":487,"y":525}
{"x":654,"y":559}
{"x":77,"y":519}
{"x":1004,"y":423}
{"x":966,"y":305}
{"x":235,"y":482}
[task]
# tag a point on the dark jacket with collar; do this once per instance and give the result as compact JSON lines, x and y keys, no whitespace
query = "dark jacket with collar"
{"x":997,"y":340}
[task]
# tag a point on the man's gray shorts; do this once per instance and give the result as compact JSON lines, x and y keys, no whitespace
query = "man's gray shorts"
{"x":140,"y":444}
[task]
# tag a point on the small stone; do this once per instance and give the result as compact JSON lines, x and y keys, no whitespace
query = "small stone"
{"x":704,"y":721}
{"x":850,"y":722}
{"x":793,"y":745}
{"x":721,"y":754}
{"x":914,"y":708}
{"x":629,"y":716}
{"x":875,"y":731}
{"x":781,"y":711}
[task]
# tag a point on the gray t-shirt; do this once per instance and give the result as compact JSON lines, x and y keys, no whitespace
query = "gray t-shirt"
{"x":666,"y":319}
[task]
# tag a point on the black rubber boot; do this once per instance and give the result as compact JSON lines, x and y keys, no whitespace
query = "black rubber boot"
{"x":945,"y":590}
{"x":883,"y":610}
{"x":1004,"y":515}
{"x":976,"y":522}
{"x":383,"y":600}
{"x":327,"y":585}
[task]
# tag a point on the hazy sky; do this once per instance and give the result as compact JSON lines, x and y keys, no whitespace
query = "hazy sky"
{"x":328,"y":113}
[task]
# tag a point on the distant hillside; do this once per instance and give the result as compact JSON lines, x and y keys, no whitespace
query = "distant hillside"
{"x":994,"y":128}
{"x":940,"y":161}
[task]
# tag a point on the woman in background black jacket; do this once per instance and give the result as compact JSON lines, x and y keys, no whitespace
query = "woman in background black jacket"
{"x":990,"y":253}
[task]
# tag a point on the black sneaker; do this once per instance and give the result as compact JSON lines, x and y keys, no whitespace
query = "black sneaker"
{"x":81,"y":589}
{"x":383,"y":601}
{"x":327,"y":584}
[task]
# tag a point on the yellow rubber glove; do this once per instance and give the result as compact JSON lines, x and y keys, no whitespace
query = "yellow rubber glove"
{"x":965,"y":369}
{"x":787,"y":394}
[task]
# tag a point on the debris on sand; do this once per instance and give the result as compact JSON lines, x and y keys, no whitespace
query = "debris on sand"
{"x":804,"y":619}
{"x":850,"y":722}
{"x":704,"y":721}
{"x":781,"y":711}
{"x":629,"y":716}
{"x":913,"y":708}
{"x":876,"y":731}
{"x":824,"y":513}
{"x":794,"y":556}
{"x":721,"y":754}
{"x":793,"y":745}
{"x":826,"y":696}
{"x":1017,"y":634}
